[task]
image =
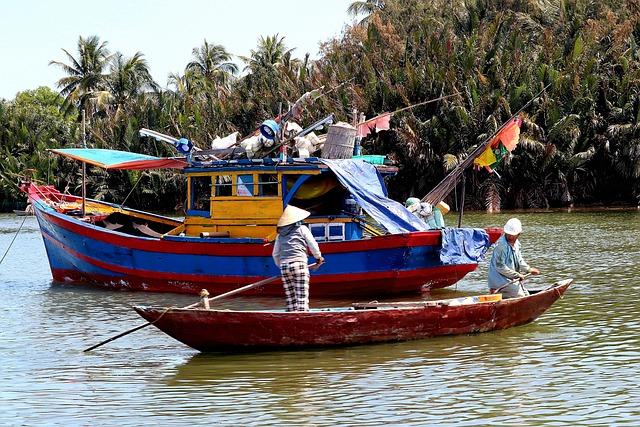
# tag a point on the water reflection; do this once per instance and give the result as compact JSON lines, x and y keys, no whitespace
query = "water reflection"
{"x":578,"y":364}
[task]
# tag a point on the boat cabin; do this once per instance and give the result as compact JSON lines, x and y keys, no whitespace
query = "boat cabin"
{"x":245,"y":198}
{"x":231,"y":199}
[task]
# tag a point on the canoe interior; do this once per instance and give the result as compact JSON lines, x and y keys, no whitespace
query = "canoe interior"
{"x":230,"y":331}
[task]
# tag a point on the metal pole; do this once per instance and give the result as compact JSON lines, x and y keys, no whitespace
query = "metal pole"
{"x":464,"y":182}
{"x":84,"y":164}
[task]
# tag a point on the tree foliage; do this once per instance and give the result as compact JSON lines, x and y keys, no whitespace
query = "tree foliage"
{"x":580,"y":140}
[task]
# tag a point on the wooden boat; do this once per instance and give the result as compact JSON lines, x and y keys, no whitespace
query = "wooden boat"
{"x":228,"y":330}
{"x":224,"y":242}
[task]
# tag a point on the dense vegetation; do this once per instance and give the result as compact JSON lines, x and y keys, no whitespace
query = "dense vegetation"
{"x":580,"y":141}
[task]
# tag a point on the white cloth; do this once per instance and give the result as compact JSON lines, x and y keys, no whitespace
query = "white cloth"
{"x":226,"y":142}
{"x":252,"y":145}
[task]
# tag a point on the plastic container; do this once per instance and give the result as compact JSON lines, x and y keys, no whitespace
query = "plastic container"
{"x":490,"y":298}
{"x":269,"y":129}
{"x":374,"y":159}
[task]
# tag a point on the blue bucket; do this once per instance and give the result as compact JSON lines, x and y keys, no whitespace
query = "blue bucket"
{"x":269,"y":129}
{"x":183,"y":145}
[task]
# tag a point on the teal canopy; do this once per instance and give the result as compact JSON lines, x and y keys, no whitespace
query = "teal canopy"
{"x":115,"y":159}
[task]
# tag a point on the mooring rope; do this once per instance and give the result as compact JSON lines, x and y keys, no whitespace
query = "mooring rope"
{"x":13,"y":240}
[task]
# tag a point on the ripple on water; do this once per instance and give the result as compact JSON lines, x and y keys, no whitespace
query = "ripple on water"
{"x":578,"y":364}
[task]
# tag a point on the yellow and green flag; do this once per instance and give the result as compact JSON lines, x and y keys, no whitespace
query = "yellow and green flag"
{"x":504,"y":142}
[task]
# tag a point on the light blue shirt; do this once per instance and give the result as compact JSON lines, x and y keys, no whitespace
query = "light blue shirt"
{"x":506,"y":263}
{"x":432,"y":216}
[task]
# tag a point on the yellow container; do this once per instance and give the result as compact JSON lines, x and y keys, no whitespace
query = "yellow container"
{"x":490,"y":298}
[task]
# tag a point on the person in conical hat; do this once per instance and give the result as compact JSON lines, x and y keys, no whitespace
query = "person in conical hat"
{"x":507,"y":264}
{"x":290,"y":254}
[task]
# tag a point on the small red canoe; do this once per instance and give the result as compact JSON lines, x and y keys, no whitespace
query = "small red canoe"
{"x":228,"y":330}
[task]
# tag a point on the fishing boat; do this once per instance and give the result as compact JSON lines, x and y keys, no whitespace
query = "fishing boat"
{"x":225,"y":239}
{"x":362,"y":323}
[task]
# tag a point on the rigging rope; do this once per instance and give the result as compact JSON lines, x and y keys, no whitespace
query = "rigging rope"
{"x":13,"y":240}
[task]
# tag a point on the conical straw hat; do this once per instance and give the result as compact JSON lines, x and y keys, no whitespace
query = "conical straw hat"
{"x":291,"y":215}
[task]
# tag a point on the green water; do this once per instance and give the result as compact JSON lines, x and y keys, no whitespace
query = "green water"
{"x":579,"y":364}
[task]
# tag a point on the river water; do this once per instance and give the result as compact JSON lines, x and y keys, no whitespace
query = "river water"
{"x":578,"y":364}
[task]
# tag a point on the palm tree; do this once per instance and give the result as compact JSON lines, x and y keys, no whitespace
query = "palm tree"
{"x":366,"y":7}
{"x":213,"y":63}
{"x":270,"y":53}
{"x":84,"y":73}
{"x":129,"y":78}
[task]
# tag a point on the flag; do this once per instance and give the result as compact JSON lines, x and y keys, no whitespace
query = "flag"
{"x":502,"y":144}
{"x":381,"y":122}
{"x":510,"y":135}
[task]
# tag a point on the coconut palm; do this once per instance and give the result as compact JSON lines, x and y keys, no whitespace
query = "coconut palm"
{"x":85,"y":73}
{"x":213,"y":63}
{"x":366,"y":8}
{"x":128,"y":79}
{"x":269,"y":54}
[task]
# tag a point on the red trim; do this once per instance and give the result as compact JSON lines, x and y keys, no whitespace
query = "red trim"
{"x":148,"y":164}
{"x":422,"y":238}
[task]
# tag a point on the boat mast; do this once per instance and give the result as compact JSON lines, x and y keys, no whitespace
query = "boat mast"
{"x":84,"y":164}
{"x":449,"y":182}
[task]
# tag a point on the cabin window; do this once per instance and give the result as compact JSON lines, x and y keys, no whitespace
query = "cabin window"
{"x":245,"y":185}
{"x":223,"y":185}
{"x":200,"y":193}
{"x":268,"y":185}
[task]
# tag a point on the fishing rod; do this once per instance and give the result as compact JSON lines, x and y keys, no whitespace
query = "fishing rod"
{"x":319,"y":123}
{"x":419,"y":104}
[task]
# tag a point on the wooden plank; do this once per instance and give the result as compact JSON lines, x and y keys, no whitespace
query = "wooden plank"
{"x":247,"y":208}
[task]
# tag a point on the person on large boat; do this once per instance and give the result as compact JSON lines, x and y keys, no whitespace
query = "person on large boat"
{"x":507,"y":266}
{"x":431,"y":215}
{"x":290,"y":254}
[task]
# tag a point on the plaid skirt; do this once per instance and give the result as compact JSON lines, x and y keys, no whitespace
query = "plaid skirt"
{"x":295,"y":279}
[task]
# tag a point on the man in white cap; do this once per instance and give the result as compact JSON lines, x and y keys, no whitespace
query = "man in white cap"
{"x":290,"y":254}
{"x":507,"y":264}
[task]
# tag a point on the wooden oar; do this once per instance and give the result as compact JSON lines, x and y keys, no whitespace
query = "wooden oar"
{"x":204,"y":301}
{"x":511,"y":282}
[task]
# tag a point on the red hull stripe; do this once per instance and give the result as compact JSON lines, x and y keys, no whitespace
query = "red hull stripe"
{"x":423,"y":238}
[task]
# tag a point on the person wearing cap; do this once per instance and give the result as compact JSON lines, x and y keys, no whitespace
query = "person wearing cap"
{"x":432,"y":216}
{"x":290,"y":254}
{"x":507,"y":264}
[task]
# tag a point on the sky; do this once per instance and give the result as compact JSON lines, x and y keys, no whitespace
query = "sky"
{"x":33,"y":32}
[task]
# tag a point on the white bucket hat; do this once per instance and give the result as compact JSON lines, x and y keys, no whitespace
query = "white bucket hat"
{"x":291,"y":215}
{"x":513,"y":227}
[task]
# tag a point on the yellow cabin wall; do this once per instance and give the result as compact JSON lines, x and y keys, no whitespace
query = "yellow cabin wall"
{"x":243,"y":216}
{"x":247,"y":208}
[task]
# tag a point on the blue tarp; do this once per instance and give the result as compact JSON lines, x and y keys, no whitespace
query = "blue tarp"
{"x":366,"y":185}
{"x":463,"y":245}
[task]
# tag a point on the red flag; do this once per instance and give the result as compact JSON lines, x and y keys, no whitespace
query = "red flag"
{"x":381,"y":122}
{"x":509,"y":136}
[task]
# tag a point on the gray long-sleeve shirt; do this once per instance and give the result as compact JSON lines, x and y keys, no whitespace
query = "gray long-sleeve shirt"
{"x":292,"y":242}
